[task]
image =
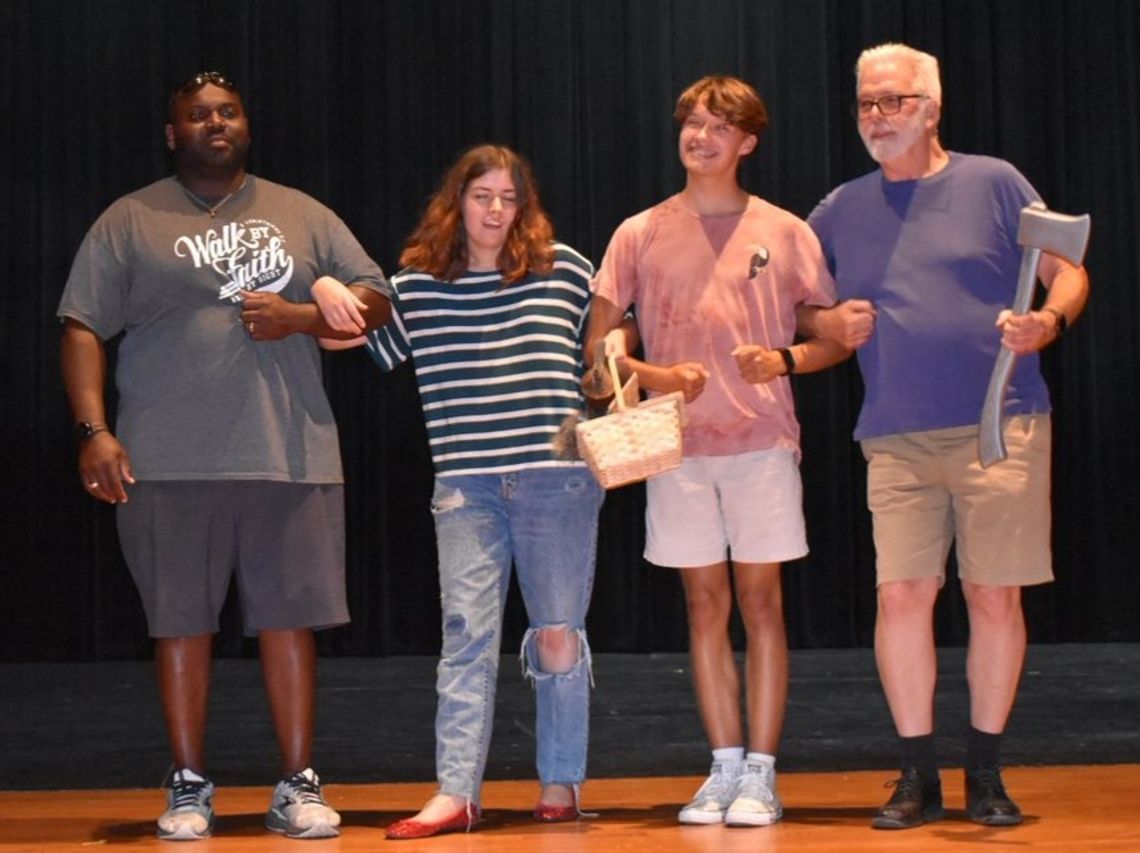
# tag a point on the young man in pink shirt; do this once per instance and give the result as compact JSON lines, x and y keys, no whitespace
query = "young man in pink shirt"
{"x":716,"y":276}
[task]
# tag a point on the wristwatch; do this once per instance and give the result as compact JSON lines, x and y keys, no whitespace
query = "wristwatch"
{"x":85,"y":429}
{"x":789,"y":360}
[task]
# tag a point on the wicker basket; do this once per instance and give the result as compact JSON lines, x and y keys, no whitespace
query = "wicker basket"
{"x":636,"y":440}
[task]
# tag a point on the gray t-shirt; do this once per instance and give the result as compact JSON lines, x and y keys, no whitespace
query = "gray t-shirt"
{"x":198,"y":398}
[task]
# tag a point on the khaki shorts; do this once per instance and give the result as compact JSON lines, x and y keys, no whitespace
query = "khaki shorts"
{"x":926,"y":490}
{"x":749,"y":506}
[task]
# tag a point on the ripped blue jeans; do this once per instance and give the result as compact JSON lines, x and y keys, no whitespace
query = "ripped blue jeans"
{"x":544,"y":522}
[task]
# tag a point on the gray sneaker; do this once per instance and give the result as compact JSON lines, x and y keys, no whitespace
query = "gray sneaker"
{"x":189,"y":813}
{"x":756,"y":803}
{"x":714,"y":796}
{"x":298,"y":808}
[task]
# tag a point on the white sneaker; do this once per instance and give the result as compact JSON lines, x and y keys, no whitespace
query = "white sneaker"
{"x":756,"y":803}
{"x":189,"y":813}
{"x":298,"y":809}
{"x":714,"y":796}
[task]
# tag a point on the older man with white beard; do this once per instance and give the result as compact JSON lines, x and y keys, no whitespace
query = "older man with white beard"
{"x":925,"y":257}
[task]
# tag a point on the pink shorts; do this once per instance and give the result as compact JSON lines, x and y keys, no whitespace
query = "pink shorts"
{"x":747,"y":507}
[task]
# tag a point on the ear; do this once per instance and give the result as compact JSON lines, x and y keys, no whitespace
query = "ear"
{"x":933,"y":115}
{"x":169,"y":133}
{"x":748,"y":145}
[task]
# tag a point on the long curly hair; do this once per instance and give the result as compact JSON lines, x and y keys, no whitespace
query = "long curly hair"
{"x":439,"y":244}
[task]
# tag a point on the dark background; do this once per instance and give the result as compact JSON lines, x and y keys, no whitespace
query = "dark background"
{"x":363,"y":104}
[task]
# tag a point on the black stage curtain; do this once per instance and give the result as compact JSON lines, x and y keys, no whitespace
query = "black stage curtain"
{"x":362,"y":104}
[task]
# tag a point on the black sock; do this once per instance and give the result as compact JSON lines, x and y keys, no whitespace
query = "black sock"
{"x":918,"y":752}
{"x":983,"y":750}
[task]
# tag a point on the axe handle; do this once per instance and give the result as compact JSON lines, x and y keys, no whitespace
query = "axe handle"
{"x":991,"y":445}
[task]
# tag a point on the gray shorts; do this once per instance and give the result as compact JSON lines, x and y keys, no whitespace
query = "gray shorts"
{"x":183,"y":541}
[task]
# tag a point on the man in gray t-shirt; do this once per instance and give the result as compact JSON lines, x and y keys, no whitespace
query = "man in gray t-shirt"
{"x":224,"y":458}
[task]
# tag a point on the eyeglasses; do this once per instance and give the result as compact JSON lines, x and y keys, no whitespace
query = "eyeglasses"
{"x":217,"y":78}
{"x":888,"y":105}
{"x":485,"y":198}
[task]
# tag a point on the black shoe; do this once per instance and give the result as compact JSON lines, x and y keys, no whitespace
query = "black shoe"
{"x":986,"y":800}
{"x":914,"y":802}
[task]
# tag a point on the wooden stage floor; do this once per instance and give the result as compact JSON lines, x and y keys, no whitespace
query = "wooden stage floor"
{"x":1067,"y":808}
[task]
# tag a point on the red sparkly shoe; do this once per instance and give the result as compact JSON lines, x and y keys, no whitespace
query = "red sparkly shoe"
{"x":462,"y":820}
{"x":548,"y":813}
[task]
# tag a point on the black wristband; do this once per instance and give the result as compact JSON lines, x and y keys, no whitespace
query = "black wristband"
{"x":1062,"y":320}
{"x":789,"y":360}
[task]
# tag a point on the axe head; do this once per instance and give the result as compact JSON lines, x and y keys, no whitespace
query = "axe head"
{"x":1056,"y":233}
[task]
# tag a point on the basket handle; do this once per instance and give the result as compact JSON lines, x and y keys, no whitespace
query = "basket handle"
{"x":619,"y":394}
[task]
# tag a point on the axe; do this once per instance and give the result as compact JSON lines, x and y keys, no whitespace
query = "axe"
{"x":1039,"y":230}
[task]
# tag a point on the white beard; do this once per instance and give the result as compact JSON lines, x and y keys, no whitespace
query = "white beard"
{"x":892,"y":147}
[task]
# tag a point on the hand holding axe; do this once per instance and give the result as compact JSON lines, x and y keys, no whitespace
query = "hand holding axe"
{"x":1039,"y":230}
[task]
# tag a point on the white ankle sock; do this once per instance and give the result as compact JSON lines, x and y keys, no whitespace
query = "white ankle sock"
{"x":733,"y":755}
{"x":762,"y":758}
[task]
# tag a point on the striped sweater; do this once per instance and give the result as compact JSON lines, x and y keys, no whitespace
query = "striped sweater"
{"x":498,"y":368}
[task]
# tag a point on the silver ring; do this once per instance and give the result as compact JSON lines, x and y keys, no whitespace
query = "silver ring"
{"x":250,"y":326}
{"x":92,"y":485}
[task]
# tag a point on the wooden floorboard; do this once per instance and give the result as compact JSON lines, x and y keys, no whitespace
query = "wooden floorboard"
{"x":1070,"y":808}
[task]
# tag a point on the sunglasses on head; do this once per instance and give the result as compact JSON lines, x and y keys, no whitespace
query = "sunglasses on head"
{"x":191,"y":84}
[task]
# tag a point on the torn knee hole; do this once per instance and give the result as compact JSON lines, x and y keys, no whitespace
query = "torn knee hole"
{"x":557,"y":649}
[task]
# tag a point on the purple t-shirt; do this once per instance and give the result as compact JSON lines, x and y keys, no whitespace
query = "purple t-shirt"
{"x":938,"y":258}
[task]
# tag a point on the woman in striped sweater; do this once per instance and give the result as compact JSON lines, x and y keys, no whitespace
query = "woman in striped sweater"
{"x":493,"y":311}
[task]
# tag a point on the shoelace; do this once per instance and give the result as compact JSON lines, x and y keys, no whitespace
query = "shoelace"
{"x":906,"y":786}
{"x":717,"y":785}
{"x":305,"y":790}
{"x":989,"y":781}
{"x":184,"y":793}
{"x":755,"y":780}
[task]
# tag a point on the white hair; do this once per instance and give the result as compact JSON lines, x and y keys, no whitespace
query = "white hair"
{"x":925,"y":67}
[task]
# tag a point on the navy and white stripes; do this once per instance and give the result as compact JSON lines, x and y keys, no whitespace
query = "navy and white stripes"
{"x":498,"y":367}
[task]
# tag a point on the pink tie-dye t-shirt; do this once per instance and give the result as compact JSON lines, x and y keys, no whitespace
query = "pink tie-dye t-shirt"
{"x":703,"y":285}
